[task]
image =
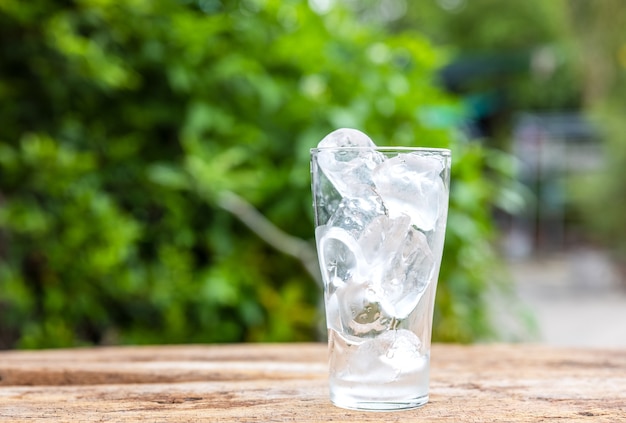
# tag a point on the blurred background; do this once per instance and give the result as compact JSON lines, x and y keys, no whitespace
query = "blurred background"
{"x":154,"y":163}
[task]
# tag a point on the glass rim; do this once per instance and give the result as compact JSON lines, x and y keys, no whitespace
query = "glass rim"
{"x":383,"y":148}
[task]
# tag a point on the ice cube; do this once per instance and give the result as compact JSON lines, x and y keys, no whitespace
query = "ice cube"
{"x":399,"y":261}
{"x":407,"y":274}
{"x":403,"y":351}
{"x":333,"y":312}
{"x":348,"y":169}
{"x":382,"y":236}
{"x":385,"y":358}
{"x":355,"y":214}
{"x":346,"y":137}
{"x":326,"y":200}
{"x":412,"y":184}
{"x":339,"y":255}
{"x":360,"y":310}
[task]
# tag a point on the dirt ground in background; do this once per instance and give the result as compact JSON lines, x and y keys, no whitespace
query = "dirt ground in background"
{"x":577,"y":298}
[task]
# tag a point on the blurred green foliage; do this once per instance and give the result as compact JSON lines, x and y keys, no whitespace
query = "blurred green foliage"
{"x":122,"y":124}
{"x":504,"y":60}
{"x":500,"y":65}
{"x":601,"y":48}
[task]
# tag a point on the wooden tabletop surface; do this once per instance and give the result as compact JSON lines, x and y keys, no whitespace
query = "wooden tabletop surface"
{"x":288,"y":383}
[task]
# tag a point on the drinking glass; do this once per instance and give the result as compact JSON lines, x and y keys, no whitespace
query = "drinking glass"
{"x":380,"y":220}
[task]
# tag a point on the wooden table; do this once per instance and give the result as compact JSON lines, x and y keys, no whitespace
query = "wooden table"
{"x":287,"y":383}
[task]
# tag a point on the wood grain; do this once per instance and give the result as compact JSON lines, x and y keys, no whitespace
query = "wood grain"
{"x":287,"y":383}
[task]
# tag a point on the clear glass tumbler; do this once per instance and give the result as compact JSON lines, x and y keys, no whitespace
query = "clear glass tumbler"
{"x":380,"y":217}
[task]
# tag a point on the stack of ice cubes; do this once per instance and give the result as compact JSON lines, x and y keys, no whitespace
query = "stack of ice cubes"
{"x":376,"y":220}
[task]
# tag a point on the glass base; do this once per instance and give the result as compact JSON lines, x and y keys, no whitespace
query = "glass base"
{"x":382,"y":405}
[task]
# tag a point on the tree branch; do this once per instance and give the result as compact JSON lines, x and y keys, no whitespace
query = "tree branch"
{"x":270,"y":233}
